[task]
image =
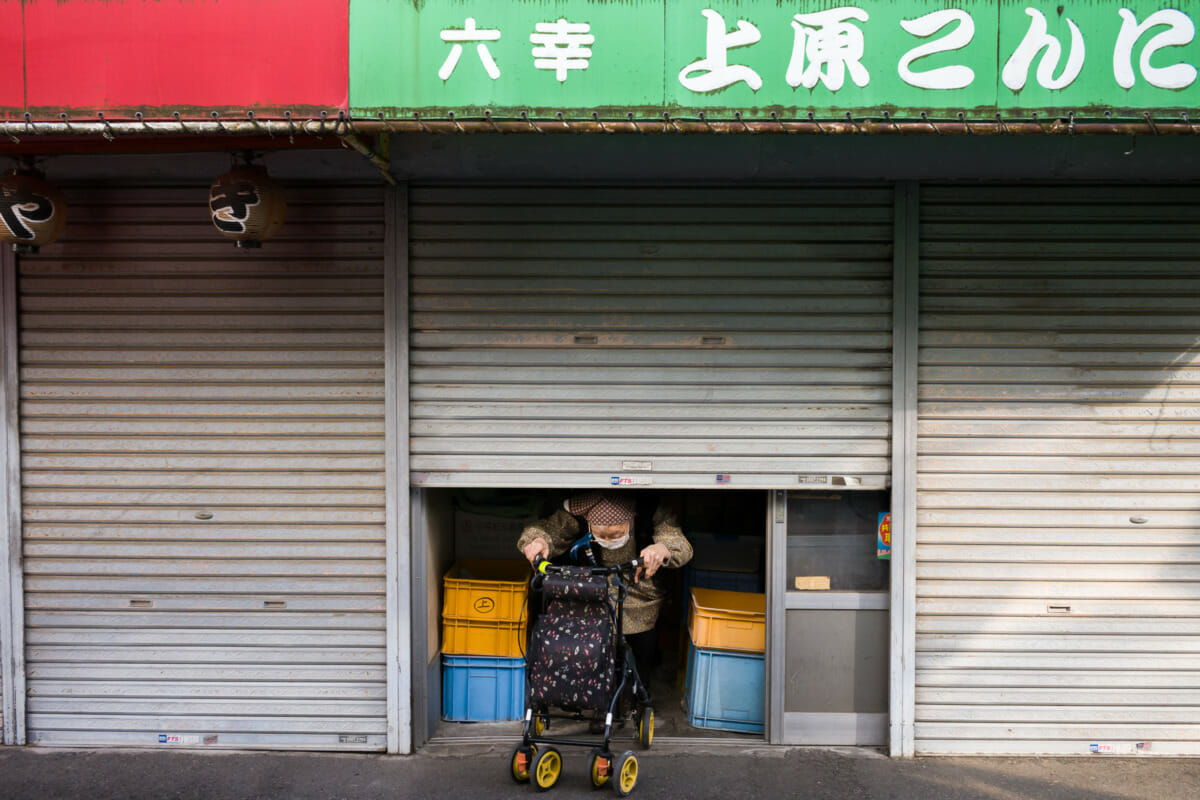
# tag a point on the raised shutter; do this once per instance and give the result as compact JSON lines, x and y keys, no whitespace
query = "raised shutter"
{"x":658,"y":336}
{"x":203,"y":455}
{"x":1058,"y":553}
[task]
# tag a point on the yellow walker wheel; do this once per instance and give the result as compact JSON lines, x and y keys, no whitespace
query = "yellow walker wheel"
{"x":546,"y":769}
{"x":625,"y":773}
{"x":646,"y":727}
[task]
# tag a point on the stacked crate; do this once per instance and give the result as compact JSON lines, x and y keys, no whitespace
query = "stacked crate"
{"x":726,"y":660}
{"x":484,"y":618}
{"x":724,"y":561}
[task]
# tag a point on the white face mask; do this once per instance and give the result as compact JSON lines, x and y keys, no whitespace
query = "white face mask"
{"x":611,"y":544}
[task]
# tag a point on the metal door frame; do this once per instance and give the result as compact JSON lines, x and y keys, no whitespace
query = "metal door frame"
{"x":776,"y":611}
{"x":902,"y":670}
{"x":903,"y":476}
{"x":12,"y":595}
{"x":422,"y":683}
{"x":902,"y":600}
{"x":400,"y":679}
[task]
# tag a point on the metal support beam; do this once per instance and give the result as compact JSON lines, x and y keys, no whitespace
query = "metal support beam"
{"x":776,"y":614}
{"x":379,"y":162}
{"x":399,"y":531}
{"x":12,"y":595}
{"x":902,"y":678}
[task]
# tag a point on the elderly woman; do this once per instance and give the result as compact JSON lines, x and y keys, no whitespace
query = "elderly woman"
{"x":611,"y":518}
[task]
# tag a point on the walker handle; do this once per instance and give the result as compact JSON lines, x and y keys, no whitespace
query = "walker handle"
{"x":542,"y":566}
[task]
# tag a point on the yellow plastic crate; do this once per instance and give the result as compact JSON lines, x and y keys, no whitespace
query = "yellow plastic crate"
{"x":486,"y":591}
{"x":723,"y":620}
{"x":464,"y":637}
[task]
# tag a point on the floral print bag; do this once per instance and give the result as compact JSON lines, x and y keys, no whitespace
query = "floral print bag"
{"x":571,"y":659}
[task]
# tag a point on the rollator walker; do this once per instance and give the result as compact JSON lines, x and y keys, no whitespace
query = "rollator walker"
{"x":577,"y":660}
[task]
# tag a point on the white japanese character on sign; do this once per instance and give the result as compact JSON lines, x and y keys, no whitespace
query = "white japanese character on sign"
{"x":1181,"y":30}
{"x":469,"y":33}
{"x":1038,"y":40}
{"x":952,"y":77}
{"x":715,"y":70}
{"x":831,"y":45}
{"x":563,"y":46}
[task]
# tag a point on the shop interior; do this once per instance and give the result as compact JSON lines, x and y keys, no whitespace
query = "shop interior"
{"x":471,"y":690}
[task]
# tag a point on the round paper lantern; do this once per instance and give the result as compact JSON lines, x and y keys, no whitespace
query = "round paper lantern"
{"x":247,"y":206}
{"x":32,"y":211}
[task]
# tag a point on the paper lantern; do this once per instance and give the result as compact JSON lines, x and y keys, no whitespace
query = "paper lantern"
{"x":32,"y":211}
{"x":247,"y":206}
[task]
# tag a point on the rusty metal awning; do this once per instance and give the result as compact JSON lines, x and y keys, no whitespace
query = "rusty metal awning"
{"x":288,"y":129}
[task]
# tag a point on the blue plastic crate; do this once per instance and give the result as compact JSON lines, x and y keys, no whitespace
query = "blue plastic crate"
{"x":720,"y":579}
{"x":725,"y":690}
{"x":482,"y":689}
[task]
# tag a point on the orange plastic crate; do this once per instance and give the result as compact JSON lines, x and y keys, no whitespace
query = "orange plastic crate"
{"x":466,"y":637}
{"x":487,"y":591}
{"x":723,"y":620}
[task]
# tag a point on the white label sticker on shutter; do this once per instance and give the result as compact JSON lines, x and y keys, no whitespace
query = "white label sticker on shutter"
{"x":808,"y":480}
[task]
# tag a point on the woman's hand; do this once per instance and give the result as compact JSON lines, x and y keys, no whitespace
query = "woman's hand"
{"x":539,"y":547}
{"x":654,"y":556}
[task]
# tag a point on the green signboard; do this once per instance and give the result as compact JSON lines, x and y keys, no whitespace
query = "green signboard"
{"x":767,"y":59}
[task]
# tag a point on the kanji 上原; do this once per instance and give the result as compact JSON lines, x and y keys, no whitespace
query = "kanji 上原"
{"x":715,"y":71}
{"x":826,"y":47}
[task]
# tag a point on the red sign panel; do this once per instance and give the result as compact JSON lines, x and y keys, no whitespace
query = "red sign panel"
{"x":12,"y":90}
{"x":162,"y":56}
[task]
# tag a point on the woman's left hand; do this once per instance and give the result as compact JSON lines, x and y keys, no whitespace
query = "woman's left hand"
{"x":654,"y":556}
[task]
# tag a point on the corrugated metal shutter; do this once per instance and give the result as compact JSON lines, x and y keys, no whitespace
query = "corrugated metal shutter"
{"x":203,"y":460}
{"x":1058,"y":554}
{"x":568,"y":336}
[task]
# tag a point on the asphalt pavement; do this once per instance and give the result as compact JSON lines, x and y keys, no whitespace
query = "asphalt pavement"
{"x":467,"y":773}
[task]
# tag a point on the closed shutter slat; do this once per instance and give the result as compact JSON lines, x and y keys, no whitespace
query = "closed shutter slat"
{"x":1058,"y":552}
{"x":202,"y":436}
{"x":559,"y":333}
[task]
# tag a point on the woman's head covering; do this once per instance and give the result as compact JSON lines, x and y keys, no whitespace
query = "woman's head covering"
{"x":603,"y":508}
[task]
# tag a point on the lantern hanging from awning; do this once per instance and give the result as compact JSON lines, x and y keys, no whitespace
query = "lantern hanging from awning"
{"x":32,"y":211}
{"x":246,"y":205}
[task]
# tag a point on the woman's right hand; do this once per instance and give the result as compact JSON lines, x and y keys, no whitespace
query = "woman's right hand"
{"x":537,"y":548}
